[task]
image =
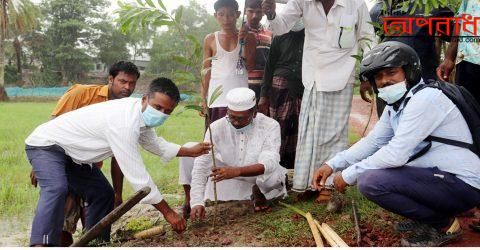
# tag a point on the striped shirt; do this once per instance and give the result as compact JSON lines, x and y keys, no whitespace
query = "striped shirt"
{"x":264,"y":40}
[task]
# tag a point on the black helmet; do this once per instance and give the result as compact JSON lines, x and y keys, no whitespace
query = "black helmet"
{"x":391,"y":54}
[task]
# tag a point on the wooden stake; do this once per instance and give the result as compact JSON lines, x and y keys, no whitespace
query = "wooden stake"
{"x":160,"y":230}
{"x":334,"y":235}
{"x":314,"y":229}
{"x":111,"y":217}
{"x":325,"y":235}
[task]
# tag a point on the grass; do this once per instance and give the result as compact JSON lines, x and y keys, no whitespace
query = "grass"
{"x":18,"y":197}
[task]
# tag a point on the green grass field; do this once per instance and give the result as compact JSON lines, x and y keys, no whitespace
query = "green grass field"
{"x":18,"y":119}
{"x":18,"y":197}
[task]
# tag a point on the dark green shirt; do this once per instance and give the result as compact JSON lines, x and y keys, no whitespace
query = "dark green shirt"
{"x":285,"y":60}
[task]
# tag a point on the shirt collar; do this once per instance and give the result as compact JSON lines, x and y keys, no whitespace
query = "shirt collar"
{"x":409,"y":95}
{"x":337,"y":2}
{"x":139,"y":108}
{"x":104,"y":91}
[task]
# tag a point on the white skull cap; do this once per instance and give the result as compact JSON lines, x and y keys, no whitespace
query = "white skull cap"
{"x":241,"y":99}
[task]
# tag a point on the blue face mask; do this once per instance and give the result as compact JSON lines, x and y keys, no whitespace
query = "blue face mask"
{"x":153,"y":117}
{"x":393,"y":93}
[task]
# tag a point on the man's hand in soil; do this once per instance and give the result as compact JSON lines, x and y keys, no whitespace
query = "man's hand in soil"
{"x":197,"y":213}
{"x":339,"y":184}
{"x":263,"y":105}
{"x":176,"y":221}
{"x":366,"y":87}
{"x":197,"y":150}
{"x":33,"y":179}
{"x":320,"y":176}
{"x":225,"y":173}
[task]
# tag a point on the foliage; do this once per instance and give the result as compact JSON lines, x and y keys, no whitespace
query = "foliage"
{"x":11,"y":75}
{"x":45,"y":78}
{"x":69,"y":34}
{"x":110,"y":43}
{"x":186,"y":46}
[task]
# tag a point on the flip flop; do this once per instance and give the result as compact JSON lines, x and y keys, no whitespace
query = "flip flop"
{"x":475,"y":226}
{"x":260,"y":206}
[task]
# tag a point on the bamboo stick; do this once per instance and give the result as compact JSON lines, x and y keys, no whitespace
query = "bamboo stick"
{"x":111,"y":217}
{"x":160,"y":230}
{"x":325,"y":235}
{"x":334,"y":235}
{"x":314,"y":229}
{"x":356,"y":219}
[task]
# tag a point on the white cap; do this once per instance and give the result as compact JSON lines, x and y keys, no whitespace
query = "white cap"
{"x":241,"y":99}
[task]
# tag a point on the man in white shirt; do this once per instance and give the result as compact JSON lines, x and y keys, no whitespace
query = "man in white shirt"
{"x":59,"y":149}
{"x":418,"y":161}
{"x":335,"y":30}
{"x":247,"y":157}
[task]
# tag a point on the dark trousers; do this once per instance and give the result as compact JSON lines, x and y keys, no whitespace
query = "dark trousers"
{"x":57,"y":174}
{"x":467,"y":76}
{"x":427,"y":195}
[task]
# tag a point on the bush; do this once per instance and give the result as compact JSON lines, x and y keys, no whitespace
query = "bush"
{"x":45,"y":79}
{"x":12,"y":76}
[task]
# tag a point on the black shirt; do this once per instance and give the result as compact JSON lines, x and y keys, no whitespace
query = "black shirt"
{"x":285,"y":60}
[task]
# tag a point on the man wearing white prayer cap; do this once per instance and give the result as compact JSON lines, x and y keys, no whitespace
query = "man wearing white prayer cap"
{"x":247,"y":157}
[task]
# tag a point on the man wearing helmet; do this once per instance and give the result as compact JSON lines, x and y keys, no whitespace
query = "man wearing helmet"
{"x":427,"y":182}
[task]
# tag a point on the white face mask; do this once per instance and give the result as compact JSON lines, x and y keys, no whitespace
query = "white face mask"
{"x":393,"y":93}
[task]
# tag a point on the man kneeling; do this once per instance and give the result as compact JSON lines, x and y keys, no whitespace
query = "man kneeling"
{"x":247,"y":157}
{"x":395,"y":167}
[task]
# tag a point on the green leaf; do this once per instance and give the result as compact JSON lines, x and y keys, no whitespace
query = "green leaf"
{"x":140,"y":3}
{"x":160,"y":3}
{"x":178,"y":14}
{"x":150,"y":3}
{"x":357,"y":57}
{"x":194,"y":107}
{"x":162,"y":22}
{"x":216,"y":93}
{"x":182,"y":60}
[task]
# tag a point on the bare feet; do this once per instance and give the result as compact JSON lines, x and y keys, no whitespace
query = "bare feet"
{"x":259,"y":200}
{"x":305,"y":196}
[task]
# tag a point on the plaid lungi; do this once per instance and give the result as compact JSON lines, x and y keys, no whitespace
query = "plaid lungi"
{"x":323,"y":131}
{"x":285,"y":109}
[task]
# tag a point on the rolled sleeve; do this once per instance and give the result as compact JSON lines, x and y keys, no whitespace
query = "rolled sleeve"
{"x":201,"y":169}
{"x":284,"y":22}
{"x":157,"y":145}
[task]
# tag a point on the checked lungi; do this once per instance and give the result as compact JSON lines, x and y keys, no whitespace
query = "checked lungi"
{"x":285,"y":109}
{"x":323,"y":131}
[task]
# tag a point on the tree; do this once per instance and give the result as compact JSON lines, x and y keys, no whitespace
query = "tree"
{"x":71,"y":26}
{"x":111,"y":43}
{"x":17,"y":17}
{"x":197,"y":22}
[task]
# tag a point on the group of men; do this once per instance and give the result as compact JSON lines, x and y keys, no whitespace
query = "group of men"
{"x":303,"y":87}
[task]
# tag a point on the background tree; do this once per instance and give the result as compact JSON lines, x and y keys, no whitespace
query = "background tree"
{"x":70,"y":33}
{"x":111,"y":44}
{"x":17,"y":17}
